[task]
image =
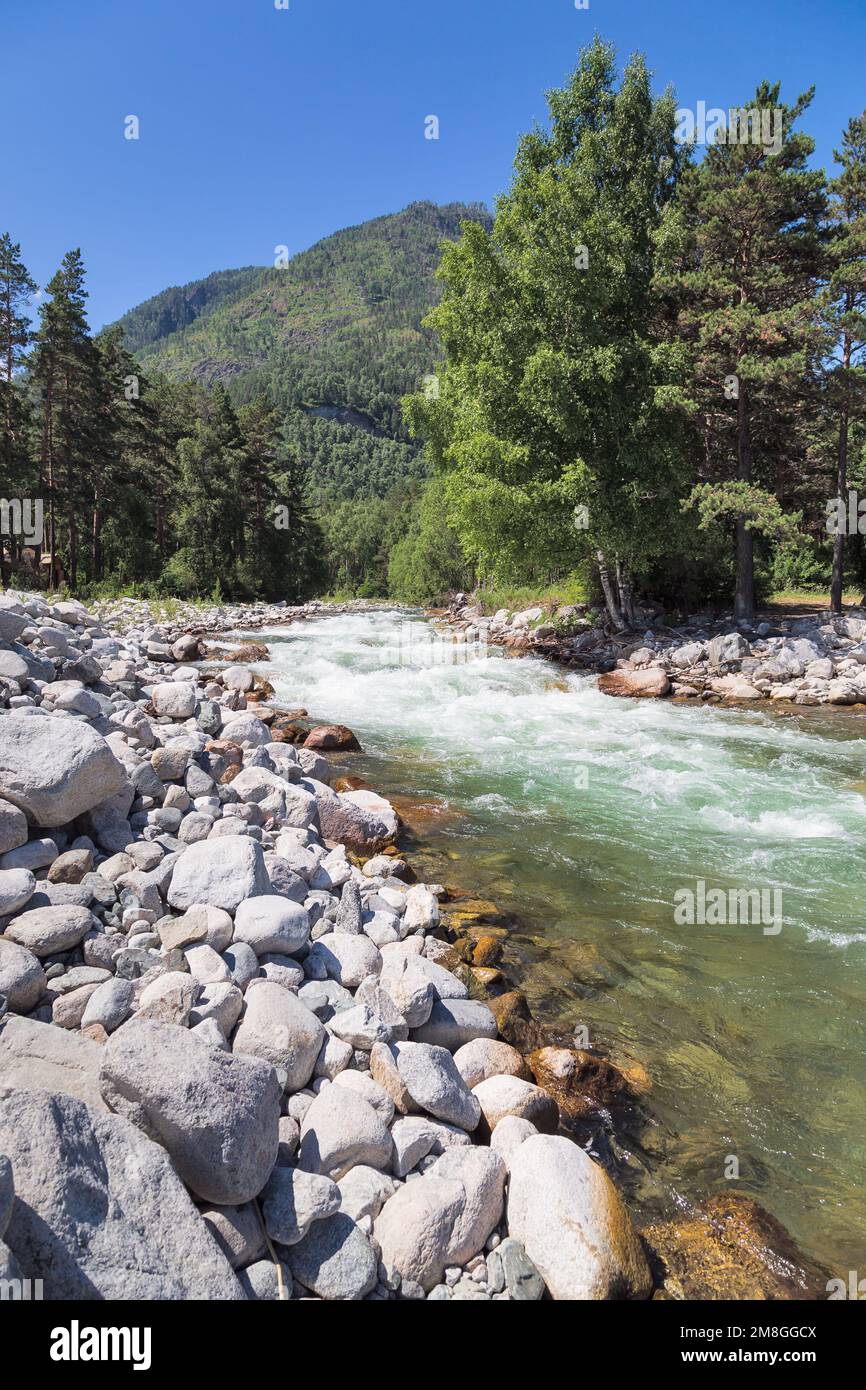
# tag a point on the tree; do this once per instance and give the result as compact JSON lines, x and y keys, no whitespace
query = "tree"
{"x":16,"y":287}
{"x":846,"y":313}
{"x":754,"y":257}
{"x":66,"y":373}
{"x":561,"y":421}
{"x":209,"y":521}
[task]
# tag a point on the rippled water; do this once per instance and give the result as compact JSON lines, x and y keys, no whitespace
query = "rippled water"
{"x":584,"y":816}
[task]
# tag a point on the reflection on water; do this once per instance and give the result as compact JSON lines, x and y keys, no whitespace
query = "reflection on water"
{"x":584,"y":816}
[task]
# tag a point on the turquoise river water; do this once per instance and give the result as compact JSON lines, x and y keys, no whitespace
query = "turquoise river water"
{"x":584,"y":817}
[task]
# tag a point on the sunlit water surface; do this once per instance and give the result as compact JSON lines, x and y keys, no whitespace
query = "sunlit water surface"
{"x":583,"y":816}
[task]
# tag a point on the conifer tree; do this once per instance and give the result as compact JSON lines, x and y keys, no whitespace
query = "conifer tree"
{"x":748,"y":285}
{"x":846,"y":314}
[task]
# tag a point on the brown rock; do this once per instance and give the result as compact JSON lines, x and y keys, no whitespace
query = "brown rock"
{"x":514,"y":1021}
{"x":731,"y":1248}
{"x":95,"y":1032}
{"x":333,"y":737}
{"x":224,"y":748}
{"x":580,"y":1082}
{"x":487,"y":951}
{"x":71,"y":866}
{"x":253,"y":651}
{"x":648,"y":683}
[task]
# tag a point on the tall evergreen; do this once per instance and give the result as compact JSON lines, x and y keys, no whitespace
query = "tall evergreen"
{"x":846,"y":313}
{"x":16,"y":289}
{"x":748,"y":283}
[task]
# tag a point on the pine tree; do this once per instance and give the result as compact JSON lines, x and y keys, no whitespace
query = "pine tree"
{"x":846,"y":313}
{"x":748,"y":284}
{"x":16,"y":288}
{"x":66,"y":373}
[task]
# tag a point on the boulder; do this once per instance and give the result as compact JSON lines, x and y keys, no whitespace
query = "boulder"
{"x":281,"y":1030}
{"x":100,"y":1211}
{"x":293,"y":1200}
{"x":55,"y":768}
{"x":332,"y":737}
{"x":364,"y":1191}
{"x":48,"y":931}
{"x":580,"y":1082}
{"x":481,"y":1173}
{"x":13,"y":827}
{"x":435,"y":1084}
{"x":22,"y":979}
{"x":17,"y":887}
{"x":219,"y":873}
{"x":37,"y":1056}
{"x":414,"y":1229}
{"x":341,"y":1129}
{"x":499,"y":1096}
{"x":573,"y":1224}
{"x":347,"y":959}
{"x":486,"y":1057}
{"x":453,"y":1022}
{"x":335,"y":1260}
{"x":215,"y":1113}
{"x":270,"y":923}
{"x":649,"y":682}
{"x":176,"y":699}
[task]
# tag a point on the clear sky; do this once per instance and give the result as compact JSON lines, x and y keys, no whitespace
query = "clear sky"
{"x":262,"y":126}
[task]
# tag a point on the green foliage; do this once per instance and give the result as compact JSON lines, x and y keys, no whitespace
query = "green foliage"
{"x":559,"y":389}
{"x":428,"y":561}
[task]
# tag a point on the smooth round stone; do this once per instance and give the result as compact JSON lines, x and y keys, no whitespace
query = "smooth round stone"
{"x":17,"y":887}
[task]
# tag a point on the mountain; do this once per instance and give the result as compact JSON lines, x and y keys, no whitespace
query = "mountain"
{"x":335,"y":339}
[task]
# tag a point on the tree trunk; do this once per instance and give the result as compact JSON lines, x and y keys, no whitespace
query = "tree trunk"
{"x":607,"y":589}
{"x":744,"y":600}
{"x":837,"y":580}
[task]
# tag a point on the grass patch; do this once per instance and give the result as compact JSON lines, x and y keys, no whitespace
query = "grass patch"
{"x":515,"y":598}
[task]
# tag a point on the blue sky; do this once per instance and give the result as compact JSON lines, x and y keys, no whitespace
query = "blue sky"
{"x":263,"y":126}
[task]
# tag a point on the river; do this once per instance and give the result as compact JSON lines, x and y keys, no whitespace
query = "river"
{"x":584,"y":816}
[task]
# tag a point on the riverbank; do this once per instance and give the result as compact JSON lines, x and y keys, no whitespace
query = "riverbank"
{"x":224,"y":998}
{"x":807,"y":660}
{"x":584,"y":1082}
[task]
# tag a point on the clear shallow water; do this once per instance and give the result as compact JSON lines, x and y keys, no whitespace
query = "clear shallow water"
{"x":584,"y":816}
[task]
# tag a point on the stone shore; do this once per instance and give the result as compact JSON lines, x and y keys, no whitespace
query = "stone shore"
{"x":242,"y":1053}
{"x":810,"y":660}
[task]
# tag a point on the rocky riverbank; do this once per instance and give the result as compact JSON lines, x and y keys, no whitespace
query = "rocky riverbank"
{"x":812,"y":660}
{"x":243,"y":1052}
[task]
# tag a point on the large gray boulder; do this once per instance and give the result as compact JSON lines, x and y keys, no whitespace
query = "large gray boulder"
{"x":39,"y":1057}
{"x":415,"y":1226}
{"x":573,"y":1223}
{"x":271,"y":923}
{"x":281,"y":1030}
{"x":335,"y":1260}
{"x":216,"y":1114}
{"x":46,"y":931}
{"x":100,"y":1212}
{"x":55,"y":768}
{"x":435,"y":1084}
{"x":219,"y":873}
{"x":341,"y":1129}
{"x":293,"y":1200}
{"x":22,"y":979}
{"x":13,"y":827}
{"x":455,"y":1022}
